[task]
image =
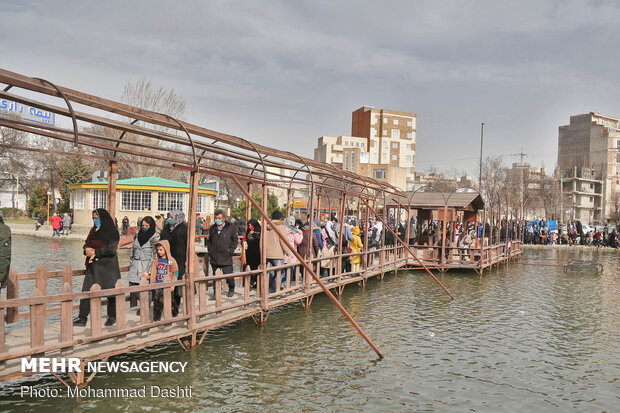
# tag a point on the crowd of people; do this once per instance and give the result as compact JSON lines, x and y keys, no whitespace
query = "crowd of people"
{"x":60,"y":225}
{"x":155,"y":255}
{"x":573,"y":233}
{"x":159,"y":248}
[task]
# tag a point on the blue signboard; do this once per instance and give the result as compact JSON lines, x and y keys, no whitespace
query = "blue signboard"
{"x":27,"y":113}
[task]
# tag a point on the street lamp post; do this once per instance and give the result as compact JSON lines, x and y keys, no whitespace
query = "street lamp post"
{"x":48,"y":207}
{"x":480,"y":173}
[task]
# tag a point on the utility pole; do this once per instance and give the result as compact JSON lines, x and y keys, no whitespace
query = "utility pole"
{"x":480,"y":174}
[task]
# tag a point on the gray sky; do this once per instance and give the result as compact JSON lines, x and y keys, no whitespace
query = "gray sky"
{"x":283,"y":73}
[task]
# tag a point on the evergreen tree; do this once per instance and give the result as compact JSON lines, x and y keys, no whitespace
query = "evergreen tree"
{"x":272,"y":205}
{"x":37,"y":203}
{"x":72,"y":170}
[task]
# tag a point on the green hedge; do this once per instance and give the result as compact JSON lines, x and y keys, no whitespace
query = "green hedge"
{"x":12,"y":212}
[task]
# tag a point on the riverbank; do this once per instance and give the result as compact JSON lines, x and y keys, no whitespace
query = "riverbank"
{"x":44,"y":232}
{"x":568,"y":247}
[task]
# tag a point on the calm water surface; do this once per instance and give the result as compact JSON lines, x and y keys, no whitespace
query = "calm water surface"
{"x":525,"y":338}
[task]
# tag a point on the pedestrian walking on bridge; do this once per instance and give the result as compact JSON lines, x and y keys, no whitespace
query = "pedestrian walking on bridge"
{"x":222,"y":243}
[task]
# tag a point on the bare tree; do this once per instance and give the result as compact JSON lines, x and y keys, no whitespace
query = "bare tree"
{"x":144,"y":95}
{"x":493,"y":183}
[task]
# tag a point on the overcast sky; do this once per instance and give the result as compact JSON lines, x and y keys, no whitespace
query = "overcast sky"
{"x":283,"y":73}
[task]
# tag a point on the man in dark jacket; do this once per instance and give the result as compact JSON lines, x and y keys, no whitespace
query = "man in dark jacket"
{"x":221,"y":245}
{"x":5,"y":251}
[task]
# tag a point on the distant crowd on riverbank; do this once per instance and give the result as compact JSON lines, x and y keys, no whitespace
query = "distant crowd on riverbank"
{"x":574,"y":233}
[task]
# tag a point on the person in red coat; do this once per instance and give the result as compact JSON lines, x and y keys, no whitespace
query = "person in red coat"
{"x":56,"y":225}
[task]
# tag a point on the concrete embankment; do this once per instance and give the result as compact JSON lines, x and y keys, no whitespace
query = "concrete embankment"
{"x":44,"y":232}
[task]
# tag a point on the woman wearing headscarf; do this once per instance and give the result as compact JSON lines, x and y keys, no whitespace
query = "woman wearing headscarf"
{"x":101,"y":263}
{"x":252,"y":253}
{"x":175,"y":232}
{"x":142,"y":252}
{"x":294,"y":236}
{"x":66,"y":224}
{"x":304,"y":247}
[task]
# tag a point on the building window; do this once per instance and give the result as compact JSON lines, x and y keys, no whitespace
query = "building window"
{"x":395,"y":121}
{"x":373,"y":132}
{"x":408,"y":158}
{"x":394,"y":157}
{"x":167,"y":201}
{"x":591,"y":199}
{"x":203,"y":204}
{"x":385,"y":120}
{"x":384,"y":156}
{"x":395,"y":133}
{"x":409,"y":123}
{"x":410,"y":135}
{"x":346,"y":161}
{"x":352,"y":161}
{"x":375,"y":157}
{"x":395,"y":145}
{"x":135,"y":200}
{"x":99,"y":198}
{"x":79,"y":201}
{"x":409,"y":146}
{"x":378,"y":173}
{"x":384,"y":132}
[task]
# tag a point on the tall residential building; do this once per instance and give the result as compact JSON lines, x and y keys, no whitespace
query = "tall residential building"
{"x":382,"y":146}
{"x":589,"y":158}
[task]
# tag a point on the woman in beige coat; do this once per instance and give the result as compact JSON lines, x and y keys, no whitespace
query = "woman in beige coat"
{"x":275,"y":248}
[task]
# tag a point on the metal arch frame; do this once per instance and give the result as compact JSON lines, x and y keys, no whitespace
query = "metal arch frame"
{"x":299,"y":170}
{"x":64,"y":97}
{"x":120,"y":138}
{"x":251,"y":144}
{"x":189,"y":136}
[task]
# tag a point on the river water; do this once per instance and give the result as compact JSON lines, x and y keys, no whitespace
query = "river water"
{"x":523,"y":338}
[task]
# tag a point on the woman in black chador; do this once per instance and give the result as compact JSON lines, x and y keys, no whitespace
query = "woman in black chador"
{"x":101,"y":263}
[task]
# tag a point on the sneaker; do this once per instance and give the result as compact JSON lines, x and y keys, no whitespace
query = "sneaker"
{"x":110,"y":321}
{"x":230,"y":293}
{"x":79,"y":322}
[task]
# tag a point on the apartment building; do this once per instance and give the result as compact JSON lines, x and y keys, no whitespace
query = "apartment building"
{"x":382,"y":146}
{"x":589,"y":148}
{"x":582,"y":194}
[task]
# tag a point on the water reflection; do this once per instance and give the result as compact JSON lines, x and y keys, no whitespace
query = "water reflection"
{"x":27,"y":253}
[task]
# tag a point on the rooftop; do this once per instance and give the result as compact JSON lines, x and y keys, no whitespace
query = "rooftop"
{"x":154,"y":181}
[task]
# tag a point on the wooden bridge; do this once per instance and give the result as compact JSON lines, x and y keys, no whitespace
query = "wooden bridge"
{"x":41,"y":323}
{"x":37,"y":320}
